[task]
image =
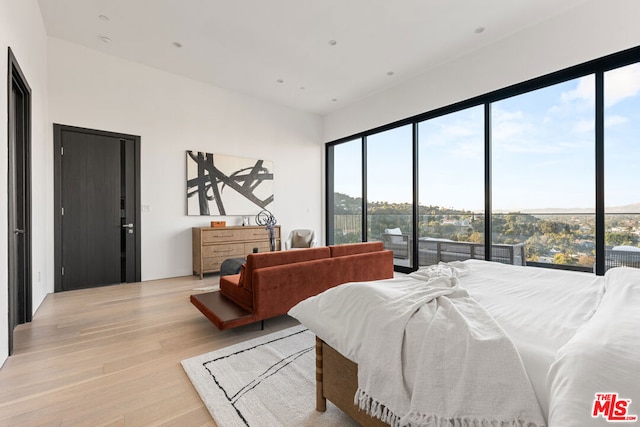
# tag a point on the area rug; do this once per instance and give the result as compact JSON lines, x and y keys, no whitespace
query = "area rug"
{"x":267,"y":381}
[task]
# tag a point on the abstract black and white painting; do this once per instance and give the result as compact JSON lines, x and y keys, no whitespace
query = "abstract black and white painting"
{"x":225,"y":185}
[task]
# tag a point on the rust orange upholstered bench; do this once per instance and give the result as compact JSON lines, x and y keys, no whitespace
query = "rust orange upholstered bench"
{"x":270,"y":283}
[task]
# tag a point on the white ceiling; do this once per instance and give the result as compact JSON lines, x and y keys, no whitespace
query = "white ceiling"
{"x":280,"y":50}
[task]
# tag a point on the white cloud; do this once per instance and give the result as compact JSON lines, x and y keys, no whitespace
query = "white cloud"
{"x":509,"y":130}
{"x":503,"y":116}
{"x":531,"y":147}
{"x":587,"y":125}
{"x":458,"y":130}
{"x":508,"y":126}
{"x":584,"y":92}
{"x":469,"y":149}
{"x":615,"y":120}
{"x":513,"y":132}
{"x":577,"y":144}
{"x":621,"y":83}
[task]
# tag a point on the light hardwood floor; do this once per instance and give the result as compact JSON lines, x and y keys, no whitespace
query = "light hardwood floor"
{"x":111,"y":356}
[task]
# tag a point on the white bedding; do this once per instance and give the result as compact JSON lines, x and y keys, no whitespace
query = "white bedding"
{"x":435,"y":356}
{"x":603,"y":357}
{"x":540,"y":309}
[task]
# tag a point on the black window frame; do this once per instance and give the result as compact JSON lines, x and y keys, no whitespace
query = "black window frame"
{"x":596,"y":67}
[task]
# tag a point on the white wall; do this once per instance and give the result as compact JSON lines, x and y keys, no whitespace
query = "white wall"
{"x":592,"y":30}
{"x":173,"y":114}
{"x":22,"y":29}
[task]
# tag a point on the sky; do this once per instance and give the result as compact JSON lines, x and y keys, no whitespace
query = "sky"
{"x":543,"y":151}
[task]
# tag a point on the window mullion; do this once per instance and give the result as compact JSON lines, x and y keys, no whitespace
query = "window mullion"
{"x":599,"y":129}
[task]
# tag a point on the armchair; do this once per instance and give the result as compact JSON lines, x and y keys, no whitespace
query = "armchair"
{"x":301,"y":238}
{"x":398,"y":242}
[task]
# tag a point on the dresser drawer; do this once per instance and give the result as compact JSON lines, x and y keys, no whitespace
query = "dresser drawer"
{"x":230,"y":250}
{"x":213,"y":264}
{"x":221,"y":235}
{"x":262,"y":247}
{"x":254,"y":234}
{"x":239,"y":234}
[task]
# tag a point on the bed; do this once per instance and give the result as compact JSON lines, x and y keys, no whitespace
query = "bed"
{"x":575,"y":336}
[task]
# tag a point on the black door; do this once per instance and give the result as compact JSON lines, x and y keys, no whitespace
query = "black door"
{"x":19,"y":198}
{"x":97,"y":228}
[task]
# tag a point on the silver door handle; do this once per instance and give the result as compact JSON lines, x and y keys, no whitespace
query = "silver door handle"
{"x":127,"y":225}
{"x":18,"y":231}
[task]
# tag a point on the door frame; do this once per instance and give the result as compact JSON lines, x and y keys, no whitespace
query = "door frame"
{"x":58,"y":129}
{"x":23,"y":289}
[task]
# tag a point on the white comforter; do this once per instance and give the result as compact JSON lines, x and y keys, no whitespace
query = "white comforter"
{"x":429,"y":354}
{"x":539,"y":308}
{"x":602,"y":358}
{"x":574,"y":342}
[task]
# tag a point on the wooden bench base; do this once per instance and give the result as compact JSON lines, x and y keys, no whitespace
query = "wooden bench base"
{"x":221,"y":311}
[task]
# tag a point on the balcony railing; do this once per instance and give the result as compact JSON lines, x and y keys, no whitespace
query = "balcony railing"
{"x":433,"y":251}
{"x":620,"y":256}
{"x":555,"y":240}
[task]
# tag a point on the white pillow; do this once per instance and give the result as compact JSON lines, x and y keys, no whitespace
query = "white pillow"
{"x":602,"y":357}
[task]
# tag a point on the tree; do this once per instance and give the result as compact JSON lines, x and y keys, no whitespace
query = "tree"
{"x":562,"y":258}
{"x":619,"y":239}
{"x":586,"y":260}
{"x":475,"y":237}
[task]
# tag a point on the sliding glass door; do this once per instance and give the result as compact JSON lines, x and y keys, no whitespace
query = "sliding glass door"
{"x":345,"y":198}
{"x":451,"y":187}
{"x":390,"y":192}
{"x":543,"y":167}
{"x":622,"y":166}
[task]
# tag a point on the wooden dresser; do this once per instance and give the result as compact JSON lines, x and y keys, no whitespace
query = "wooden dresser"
{"x":211,"y":246}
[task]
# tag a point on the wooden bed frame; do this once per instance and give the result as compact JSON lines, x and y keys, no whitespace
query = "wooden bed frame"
{"x":337,"y":380}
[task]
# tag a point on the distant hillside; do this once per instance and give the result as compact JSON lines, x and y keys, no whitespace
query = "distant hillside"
{"x":634,"y":208}
{"x":345,"y":204}
{"x":628,"y":209}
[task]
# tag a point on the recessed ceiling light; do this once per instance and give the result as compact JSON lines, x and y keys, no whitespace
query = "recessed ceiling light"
{"x":103,"y":18}
{"x":105,"y":39}
{"x":177,"y":44}
{"x":280,"y":81}
{"x":332,"y":42}
{"x":480,"y":30}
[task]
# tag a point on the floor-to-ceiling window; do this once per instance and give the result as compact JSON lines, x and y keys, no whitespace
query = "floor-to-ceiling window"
{"x":390,"y":191}
{"x":549,"y":167}
{"x":622,"y":166}
{"x":346,"y":195}
{"x":543,"y":168}
{"x":451,"y":187}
